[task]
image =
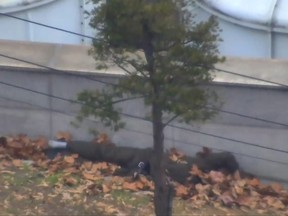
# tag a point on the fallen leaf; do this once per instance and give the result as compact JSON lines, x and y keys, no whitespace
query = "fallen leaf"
{"x":91,"y":177}
{"x":227,"y":199}
{"x":24,"y":139}
{"x":70,"y":181}
{"x":143,"y":179}
{"x":69,"y":159}
{"x":173,"y":157}
{"x":216,"y":177}
{"x":276,"y":187}
{"x":78,"y":190}
{"x":43,"y":184}
{"x":181,"y":190}
{"x":216,"y":191}
{"x":146,"y":182}
{"x":38,"y":196}
{"x":87,"y":165}
{"x":238,"y":190}
{"x":254,"y":182}
{"x":17,"y":163}
{"x":111,"y":210}
{"x":62,"y":135}
{"x":140,"y":185}
{"x":7,"y":172}
{"x":117,"y":179}
{"x":197,"y":201}
{"x":244,"y":201}
{"x":261,"y":211}
{"x":53,"y":168}
{"x":99,"y":166}
{"x":19,"y":196}
{"x":14,"y":144}
{"x":66,"y":196}
{"x":70,"y":170}
{"x":254,"y":194}
{"x":203,"y":189}
{"x":237,"y":175}
{"x":274,"y":202}
{"x":101,"y":204}
{"x":130,"y":186}
{"x":105,"y":188}
{"x":241,"y":183}
{"x":41,"y":142}
{"x":113,"y":168}
{"x":103,"y":139}
{"x":196,"y":171}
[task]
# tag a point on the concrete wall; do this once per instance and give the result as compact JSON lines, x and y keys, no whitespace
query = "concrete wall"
{"x":23,"y":111}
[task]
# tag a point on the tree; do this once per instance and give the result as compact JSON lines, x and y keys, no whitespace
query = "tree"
{"x":167,"y":58}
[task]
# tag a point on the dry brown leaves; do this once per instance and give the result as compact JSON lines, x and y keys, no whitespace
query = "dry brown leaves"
{"x":233,"y":190}
{"x":64,"y":136}
{"x":21,"y":147}
{"x":24,"y":148}
{"x":103,"y":138}
{"x":217,"y":188}
{"x":176,"y":156}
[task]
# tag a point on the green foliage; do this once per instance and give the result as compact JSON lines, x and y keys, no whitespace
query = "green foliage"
{"x":99,"y":104}
{"x":167,"y":58}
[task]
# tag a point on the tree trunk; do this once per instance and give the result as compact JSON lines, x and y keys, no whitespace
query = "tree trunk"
{"x":162,"y":193}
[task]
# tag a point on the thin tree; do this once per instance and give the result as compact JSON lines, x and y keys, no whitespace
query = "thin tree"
{"x":167,"y":59}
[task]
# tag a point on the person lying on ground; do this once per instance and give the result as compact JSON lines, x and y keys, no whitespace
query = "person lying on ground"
{"x":135,"y":161}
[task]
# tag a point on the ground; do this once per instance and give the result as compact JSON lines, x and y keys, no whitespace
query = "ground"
{"x":28,"y":191}
{"x":32,"y":184}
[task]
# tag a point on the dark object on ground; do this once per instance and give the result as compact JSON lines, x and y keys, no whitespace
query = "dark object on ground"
{"x":126,"y":157}
{"x":51,"y":153}
{"x":223,"y":161}
{"x":129,"y":158}
{"x":142,"y":168}
{"x":3,"y":141}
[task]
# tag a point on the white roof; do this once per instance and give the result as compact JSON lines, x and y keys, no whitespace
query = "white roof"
{"x":8,"y":6}
{"x":265,"y":12}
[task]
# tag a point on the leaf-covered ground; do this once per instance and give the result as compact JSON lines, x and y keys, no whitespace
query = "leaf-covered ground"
{"x":69,"y":186}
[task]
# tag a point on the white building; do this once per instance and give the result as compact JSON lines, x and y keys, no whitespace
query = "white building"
{"x":251,"y":28}
{"x":257,"y":28}
{"x":63,"y":14}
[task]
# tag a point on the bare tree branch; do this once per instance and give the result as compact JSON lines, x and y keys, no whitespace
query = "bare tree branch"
{"x":137,"y":69}
{"x":125,"y":69}
{"x":173,"y":44}
{"x":170,"y":120}
{"x":127,"y":99}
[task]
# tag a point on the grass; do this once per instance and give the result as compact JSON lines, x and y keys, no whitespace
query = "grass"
{"x":128,"y":198}
{"x":26,"y":191}
{"x":53,"y":179}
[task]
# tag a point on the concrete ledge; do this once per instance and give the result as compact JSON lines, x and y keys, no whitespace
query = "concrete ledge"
{"x":58,"y":56}
{"x":75,"y":58}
